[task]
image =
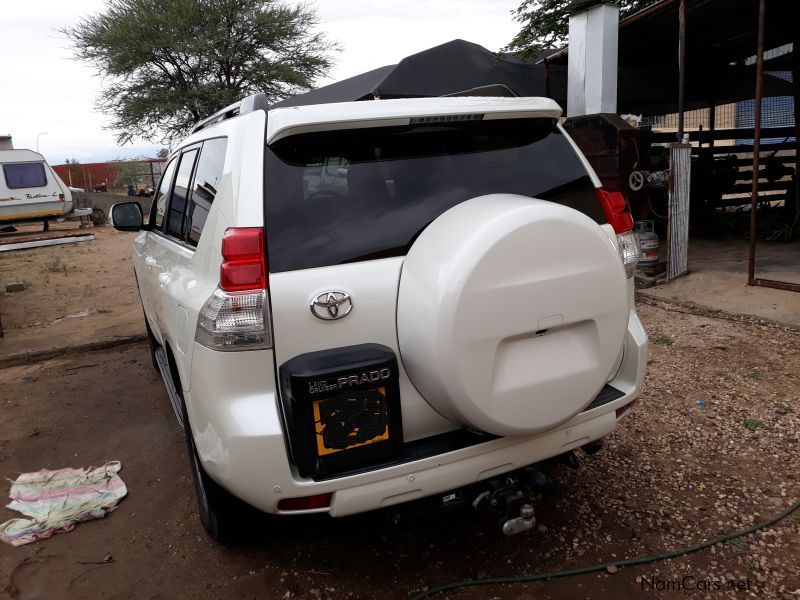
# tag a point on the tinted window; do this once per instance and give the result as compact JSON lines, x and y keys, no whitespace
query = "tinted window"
{"x":25,"y":175}
{"x":343,"y":196}
{"x":207,"y":176}
{"x":160,"y":201}
{"x":177,"y":204}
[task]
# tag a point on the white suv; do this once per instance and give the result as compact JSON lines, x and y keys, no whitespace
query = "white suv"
{"x":360,"y":304}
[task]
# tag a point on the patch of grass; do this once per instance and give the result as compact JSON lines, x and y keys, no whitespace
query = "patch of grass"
{"x":753,"y":375}
{"x":796,"y":519}
{"x":55,"y":265}
{"x":721,"y":375}
{"x":663,"y":340}
{"x":651,"y":361}
{"x":736,"y":542}
{"x":751,"y":424}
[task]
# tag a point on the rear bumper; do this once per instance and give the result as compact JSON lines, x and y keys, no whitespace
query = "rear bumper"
{"x":234,"y":414}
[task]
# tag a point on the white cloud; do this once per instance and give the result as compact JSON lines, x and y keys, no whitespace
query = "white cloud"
{"x":45,"y":90}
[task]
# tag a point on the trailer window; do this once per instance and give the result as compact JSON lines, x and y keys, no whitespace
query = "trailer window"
{"x":25,"y":175}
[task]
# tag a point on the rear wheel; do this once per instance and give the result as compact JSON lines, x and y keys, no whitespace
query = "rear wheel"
{"x":222,"y":515}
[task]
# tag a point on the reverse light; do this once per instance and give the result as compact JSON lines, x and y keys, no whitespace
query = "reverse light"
{"x":619,"y":217}
{"x":236,"y":316}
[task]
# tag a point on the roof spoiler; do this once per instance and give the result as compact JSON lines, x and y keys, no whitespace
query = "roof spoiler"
{"x":249,"y":104}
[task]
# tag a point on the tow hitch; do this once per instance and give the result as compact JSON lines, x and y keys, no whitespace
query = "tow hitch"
{"x":508,"y":499}
{"x":506,"y":496}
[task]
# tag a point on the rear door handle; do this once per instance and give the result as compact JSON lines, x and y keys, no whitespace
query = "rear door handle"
{"x":163,"y":279}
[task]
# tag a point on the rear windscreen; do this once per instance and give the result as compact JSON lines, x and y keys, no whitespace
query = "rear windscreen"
{"x":344,"y":196}
{"x":24,"y":175}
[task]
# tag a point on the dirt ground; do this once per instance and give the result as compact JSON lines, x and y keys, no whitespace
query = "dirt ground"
{"x":73,"y":292}
{"x":68,"y":280}
{"x":712,"y":446}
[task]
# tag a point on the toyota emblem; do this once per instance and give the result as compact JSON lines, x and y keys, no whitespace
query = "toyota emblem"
{"x":331,"y":305}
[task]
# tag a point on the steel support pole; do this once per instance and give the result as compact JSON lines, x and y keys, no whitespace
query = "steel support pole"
{"x":751,"y":268}
{"x":791,"y":209}
{"x":681,"y":65}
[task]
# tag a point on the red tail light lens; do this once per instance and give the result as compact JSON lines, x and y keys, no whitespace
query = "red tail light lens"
{"x":616,"y":210}
{"x":306,"y":502}
{"x":243,"y":260}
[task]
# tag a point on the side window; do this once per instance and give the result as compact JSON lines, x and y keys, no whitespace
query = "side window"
{"x":160,"y":201}
{"x":24,"y":175}
{"x":177,"y":204}
{"x":206,"y":184}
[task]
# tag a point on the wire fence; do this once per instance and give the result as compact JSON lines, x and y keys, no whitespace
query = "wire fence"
{"x":777,"y":111}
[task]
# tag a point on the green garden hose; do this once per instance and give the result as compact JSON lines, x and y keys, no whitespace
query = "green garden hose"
{"x":616,"y":563}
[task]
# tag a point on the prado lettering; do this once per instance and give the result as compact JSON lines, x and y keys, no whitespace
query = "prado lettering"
{"x":319,"y":386}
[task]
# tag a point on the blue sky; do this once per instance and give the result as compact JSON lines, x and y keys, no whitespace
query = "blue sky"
{"x":44,"y":90}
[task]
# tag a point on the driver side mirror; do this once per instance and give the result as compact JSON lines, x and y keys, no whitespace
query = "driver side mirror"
{"x":127,"y":216}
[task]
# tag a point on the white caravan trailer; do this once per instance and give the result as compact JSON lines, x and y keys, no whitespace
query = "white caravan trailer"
{"x":30,"y":190}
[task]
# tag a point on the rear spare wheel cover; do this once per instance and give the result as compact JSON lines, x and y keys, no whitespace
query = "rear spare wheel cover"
{"x":511,"y":313}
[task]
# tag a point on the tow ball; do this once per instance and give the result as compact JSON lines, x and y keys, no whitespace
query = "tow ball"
{"x":507,"y":498}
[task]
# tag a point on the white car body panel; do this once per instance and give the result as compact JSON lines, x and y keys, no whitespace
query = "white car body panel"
{"x":293,"y":120}
{"x":373,"y":287}
{"x":235,"y":416}
{"x":190,"y":275}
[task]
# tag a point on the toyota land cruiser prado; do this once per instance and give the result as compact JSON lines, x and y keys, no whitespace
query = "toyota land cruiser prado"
{"x":361,"y":304}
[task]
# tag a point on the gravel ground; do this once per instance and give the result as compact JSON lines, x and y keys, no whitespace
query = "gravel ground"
{"x":712,"y":446}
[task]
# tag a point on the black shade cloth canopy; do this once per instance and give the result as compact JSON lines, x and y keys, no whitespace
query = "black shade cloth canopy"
{"x":458,"y":66}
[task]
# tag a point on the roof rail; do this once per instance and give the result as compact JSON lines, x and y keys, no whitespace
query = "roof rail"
{"x":249,"y":104}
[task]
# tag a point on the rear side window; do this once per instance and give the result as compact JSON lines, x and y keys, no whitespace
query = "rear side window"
{"x":207,"y":177}
{"x":160,"y":201}
{"x":24,"y":175}
{"x":344,"y":196}
{"x":177,"y":204}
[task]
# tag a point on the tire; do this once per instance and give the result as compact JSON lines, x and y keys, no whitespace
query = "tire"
{"x":222,"y":515}
{"x":98,"y":217}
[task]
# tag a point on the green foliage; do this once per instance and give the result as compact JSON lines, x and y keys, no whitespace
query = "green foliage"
{"x":752,"y":424}
{"x":736,"y":542}
{"x":663,"y":340}
{"x":168,"y":63}
{"x":545,"y":23}
{"x":131,"y":172}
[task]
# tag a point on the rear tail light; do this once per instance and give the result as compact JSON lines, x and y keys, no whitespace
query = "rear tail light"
{"x":236,"y":316}
{"x":306,"y":502}
{"x":619,"y":217}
